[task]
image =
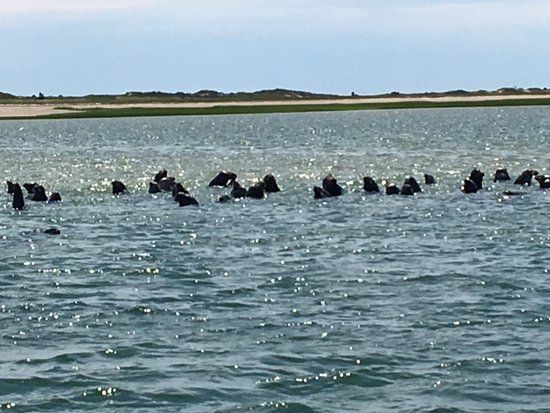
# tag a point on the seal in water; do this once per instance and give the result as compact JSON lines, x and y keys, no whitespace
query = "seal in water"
{"x":370,"y":185}
{"x":407,"y":189}
{"x":178,"y":187}
{"x":186,"y":200}
{"x":18,"y":200}
{"x":413,"y":183}
{"x":271,"y":184}
{"x":118,"y":187}
{"x":39,"y":194}
{"x":469,"y":187}
{"x":392,"y":189}
{"x":331,"y":186}
{"x":476,"y":176}
{"x":525,"y":177}
{"x":429,"y":179}
{"x":543,"y":180}
{"x":256,"y":191}
{"x":223,"y":179}
{"x":160,"y":175}
{"x":501,"y":175}
{"x":320,"y":193}
{"x":167,"y":184}
{"x":154,"y":187}
{"x":238,"y":191}
{"x":30,"y":187}
{"x":10,"y":187}
{"x":55,"y":197}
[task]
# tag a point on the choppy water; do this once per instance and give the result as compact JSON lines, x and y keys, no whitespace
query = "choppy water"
{"x":438,"y":302}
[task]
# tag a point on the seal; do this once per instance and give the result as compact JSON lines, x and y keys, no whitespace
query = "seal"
{"x":54,"y":197}
{"x":525,"y":177}
{"x":469,"y":187}
{"x":256,"y":191}
{"x":154,"y":187}
{"x":392,"y":189}
{"x":370,"y":185}
{"x":186,"y":200}
{"x":429,"y":179}
{"x":238,"y":191}
{"x":331,"y":186}
{"x":178,"y":187}
{"x":407,"y":189}
{"x":167,"y":183}
{"x":10,"y":187}
{"x":39,"y":194}
{"x":476,"y":176}
{"x":501,"y":175}
{"x":413,"y":183}
{"x":223,"y":179}
{"x":160,"y":174}
{"x":320,"y":193}
{"x":270,"y":184}
{"x":29,"y":187}
{"x":18,"y":199}
{"x":544,"y":181}
{"x":118,"y":187}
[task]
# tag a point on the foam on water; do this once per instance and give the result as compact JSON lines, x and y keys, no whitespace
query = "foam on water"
{"x":437,"y":302}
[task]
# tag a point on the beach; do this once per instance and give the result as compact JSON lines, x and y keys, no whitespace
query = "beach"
{"x":59,"y":109}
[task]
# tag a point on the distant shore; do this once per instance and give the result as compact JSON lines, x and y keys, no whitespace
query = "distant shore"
{"x":60,"y":109}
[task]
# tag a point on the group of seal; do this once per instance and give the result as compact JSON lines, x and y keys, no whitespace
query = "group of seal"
{"x":258,"y":190}
{"x":161,"y":182}
{"x":329,"y":188}
{"x":35,"y":192}
{"x":474,"y":182}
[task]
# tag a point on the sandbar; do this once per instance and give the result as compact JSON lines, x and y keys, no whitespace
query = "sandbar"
{"x":38,"y":110}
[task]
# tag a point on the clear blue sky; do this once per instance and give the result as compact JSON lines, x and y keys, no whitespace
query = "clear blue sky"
{"x":74,"y":47}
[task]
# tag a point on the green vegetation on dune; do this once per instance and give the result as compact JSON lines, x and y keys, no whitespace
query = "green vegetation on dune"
{"x":166,"y":97}
{"x":6,"y":96}
{"x":255,"y":109}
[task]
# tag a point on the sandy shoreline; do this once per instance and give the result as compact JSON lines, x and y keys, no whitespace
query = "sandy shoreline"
{"x":33,"y":110}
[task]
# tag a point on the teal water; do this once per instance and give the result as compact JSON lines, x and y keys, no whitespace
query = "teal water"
{"x":438,"y":302}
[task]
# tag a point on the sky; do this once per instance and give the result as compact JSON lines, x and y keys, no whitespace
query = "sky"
{"x":77,"y":47}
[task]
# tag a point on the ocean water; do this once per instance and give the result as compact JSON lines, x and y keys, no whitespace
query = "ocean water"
{"x":368,"y":303}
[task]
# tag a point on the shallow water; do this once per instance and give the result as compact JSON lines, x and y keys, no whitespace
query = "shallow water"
{"x":437,"y":302}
